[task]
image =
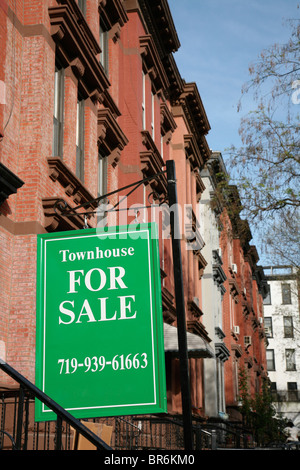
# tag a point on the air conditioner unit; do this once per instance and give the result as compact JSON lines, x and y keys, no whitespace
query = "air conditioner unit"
{"x":267,"y":330}
{"x":247,"y":340}
{"x":234,"y":268}
{"x":236,"y":330}
{"x":261,"y":320}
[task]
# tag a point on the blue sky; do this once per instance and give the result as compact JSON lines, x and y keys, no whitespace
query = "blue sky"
{"x":219,"y":40}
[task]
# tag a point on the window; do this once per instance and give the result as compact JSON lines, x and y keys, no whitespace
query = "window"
{"x":143,"y":102}
{"x":292,"y":391}
{"x":82,"y":6}
{"x":268,"y":327}
{"x":286,"y":293}
{"x":270,"y":359}
{"x":288,"y":327}
{"x":102,"y":186}
{"x":102,"y":174}
{"x":290,"y":359}
{"x":152,"y":116}
{"x":80,"y":139}
{"x":104,"y":46}
{"x":58,"y":113}
{"x":267,"y":299}
{"x":273,"y":390}
{"x":236,"y":379}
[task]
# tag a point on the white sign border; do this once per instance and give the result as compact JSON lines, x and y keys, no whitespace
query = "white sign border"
{"x":98,"y":235}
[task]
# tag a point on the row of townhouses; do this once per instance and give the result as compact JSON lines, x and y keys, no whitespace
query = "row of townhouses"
{"x":92,"y":101}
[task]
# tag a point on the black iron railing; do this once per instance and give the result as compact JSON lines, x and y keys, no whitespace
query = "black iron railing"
{"x":147,"y":432}
{"x":19,"y":414}
{"x":18,"y":429}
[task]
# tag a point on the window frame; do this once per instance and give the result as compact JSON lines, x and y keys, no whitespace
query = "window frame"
{"x":143,"y":100}
{"x":268,"y":323}
{"x":292,"y":391}
{"x":290,"y":361}
{"x":268,"y":300}
{"x":103,"y":43}
{"x":102,"y":173}
{"x":288,"y":327}
{"x":82,"y":6}
{"x":58,"y":110}
{"x":80,"y":129}
{"x":286,"y":295}
{"x":152,"y":116}
{"x":270,"y":361}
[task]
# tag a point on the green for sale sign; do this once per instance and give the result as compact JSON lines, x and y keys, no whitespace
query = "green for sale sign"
{"x":99,"y":335}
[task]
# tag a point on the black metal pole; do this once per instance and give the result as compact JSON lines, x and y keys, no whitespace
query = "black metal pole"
{"x":20,"y":418}
{"x":58,"y":432}
{"x":180,"y":307}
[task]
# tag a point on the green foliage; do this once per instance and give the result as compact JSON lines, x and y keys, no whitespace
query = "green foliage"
{"x":259,"y":413}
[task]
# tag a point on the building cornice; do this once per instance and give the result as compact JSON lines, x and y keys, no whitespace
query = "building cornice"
{"x":190,"y":98}
{"x":152,"y":64}
{"x":158,"y":19}
{"x":77,"y":48}
{"x":9,"y":183}
{"x":176,"y":83}
{"x":113,"y":12}
{"x":110,"y":136}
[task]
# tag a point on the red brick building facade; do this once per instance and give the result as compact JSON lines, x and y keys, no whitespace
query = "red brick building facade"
{"x":242,"y":310}
{"x":93,"y":102}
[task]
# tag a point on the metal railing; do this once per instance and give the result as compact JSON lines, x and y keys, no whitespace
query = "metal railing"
{"x":148,"y":432}
{"x":19,"y":414}
{"x":18,"y":429}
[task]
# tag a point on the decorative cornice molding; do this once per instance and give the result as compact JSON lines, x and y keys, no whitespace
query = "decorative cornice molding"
{"x":110,"y":136}
{"x":190,"y":97}
{"x":218,"y":274}
{"x":73,"y":187}
{"x":237,"y":350}
{"x":192,"y":151}
{"x":152,"y":64}
{"x":222,"y":352}
{"x":248,"y":361}
{"x":192,"y":233}
{"x":194,"y":309}
{"x":202,"y":262}
{"x":176,"y":83}
{"x":113,"y":13}
{"x":169,"y":310}
{"x":200,"y":186}
{"x":78,"y":48}
{"x":234,"y":290}
{"x":196,"y":327}
{"x":9,"y":183}
{"x":152,"y":163}
{"x":55,"y":222}
{"x":168,"y":124}
{"x":158,"y":18}
{"x":188,"y":105}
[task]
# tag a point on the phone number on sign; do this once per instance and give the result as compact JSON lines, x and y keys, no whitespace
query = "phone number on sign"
{"x":94,"y":364}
